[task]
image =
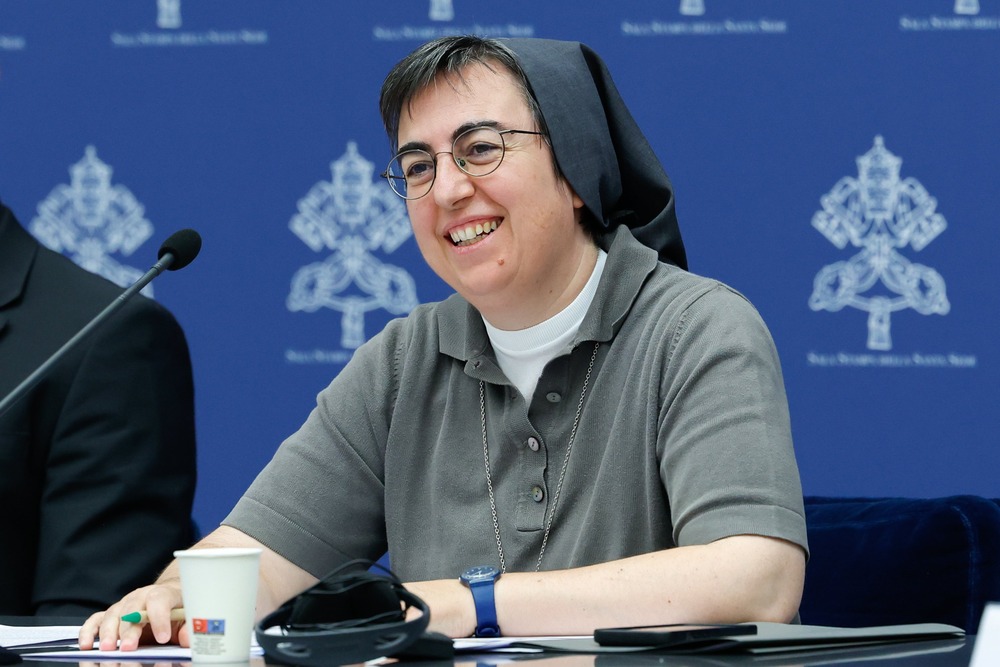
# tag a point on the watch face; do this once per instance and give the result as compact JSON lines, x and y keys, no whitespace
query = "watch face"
{"x":480,"y":573}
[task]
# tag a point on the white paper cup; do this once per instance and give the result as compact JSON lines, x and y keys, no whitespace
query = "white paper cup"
{"x":220,"y":592}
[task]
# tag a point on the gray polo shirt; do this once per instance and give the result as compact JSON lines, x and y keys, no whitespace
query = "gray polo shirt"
{"x":683,"y":439}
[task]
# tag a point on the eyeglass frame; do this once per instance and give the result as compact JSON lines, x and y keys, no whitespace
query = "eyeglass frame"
{"x":434,"y":159}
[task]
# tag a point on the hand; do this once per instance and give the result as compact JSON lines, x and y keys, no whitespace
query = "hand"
{"x":453,"y":612}
{"x":157,"y":600}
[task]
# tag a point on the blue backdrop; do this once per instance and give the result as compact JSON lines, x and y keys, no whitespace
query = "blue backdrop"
{"x":835,"y":160}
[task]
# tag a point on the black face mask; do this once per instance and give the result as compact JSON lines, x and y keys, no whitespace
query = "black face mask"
{"x":352,"y":615}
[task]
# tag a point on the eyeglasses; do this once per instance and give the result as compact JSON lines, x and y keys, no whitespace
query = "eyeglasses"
{"x":477,"y":152}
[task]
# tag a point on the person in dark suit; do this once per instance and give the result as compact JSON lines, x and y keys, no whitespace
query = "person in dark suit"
{"x":97,"y":461}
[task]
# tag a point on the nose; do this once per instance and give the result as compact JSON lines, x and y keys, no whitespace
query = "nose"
{"x":451,"y":184}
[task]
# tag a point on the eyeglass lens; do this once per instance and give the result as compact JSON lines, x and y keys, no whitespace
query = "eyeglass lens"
{"x":477,"y":152}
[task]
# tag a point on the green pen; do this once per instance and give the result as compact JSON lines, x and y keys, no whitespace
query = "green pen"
{"x":142,"y":617}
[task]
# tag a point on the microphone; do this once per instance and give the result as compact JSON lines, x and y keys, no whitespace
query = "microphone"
{"x":182,"y":247}
{"x":177,"y":251}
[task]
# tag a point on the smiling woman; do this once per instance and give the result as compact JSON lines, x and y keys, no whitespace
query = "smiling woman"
{"x":517,"y":195}
{"x":592,"y":435}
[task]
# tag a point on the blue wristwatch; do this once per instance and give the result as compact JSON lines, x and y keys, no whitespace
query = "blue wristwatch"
{"x":480,"y":581}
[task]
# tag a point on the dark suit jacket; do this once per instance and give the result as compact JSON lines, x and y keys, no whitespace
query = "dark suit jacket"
{"x":97,"y":462}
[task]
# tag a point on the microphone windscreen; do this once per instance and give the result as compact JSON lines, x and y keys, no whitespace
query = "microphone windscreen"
{"x":183,"y":245}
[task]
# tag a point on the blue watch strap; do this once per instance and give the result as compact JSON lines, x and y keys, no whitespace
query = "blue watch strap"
{"x":486,"y":609}
{"x":480,"y":581}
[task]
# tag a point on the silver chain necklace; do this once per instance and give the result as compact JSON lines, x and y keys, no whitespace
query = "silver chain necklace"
{"x":562,"y":473}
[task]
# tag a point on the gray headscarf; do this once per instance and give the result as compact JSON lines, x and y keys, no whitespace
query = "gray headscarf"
{"x":598,"y":145}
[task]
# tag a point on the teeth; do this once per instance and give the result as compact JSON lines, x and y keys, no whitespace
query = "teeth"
{"x":472,"y":232}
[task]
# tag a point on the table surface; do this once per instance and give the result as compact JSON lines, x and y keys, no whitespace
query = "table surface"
{"x":943,"y":653}
{"x":940,"y":653}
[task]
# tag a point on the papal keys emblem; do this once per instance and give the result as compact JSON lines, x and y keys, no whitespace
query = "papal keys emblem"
{"x":90,"y":220}
{"x":880,"y":214}
{"x":353,"y":216}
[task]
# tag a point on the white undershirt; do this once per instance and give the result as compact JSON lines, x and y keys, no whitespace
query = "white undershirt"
{"x":522,"y":354}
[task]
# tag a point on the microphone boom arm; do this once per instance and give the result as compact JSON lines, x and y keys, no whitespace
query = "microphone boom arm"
{"x":165,"y":261}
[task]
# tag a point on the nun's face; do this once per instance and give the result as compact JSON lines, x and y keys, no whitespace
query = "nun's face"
{"x":522,"y":255}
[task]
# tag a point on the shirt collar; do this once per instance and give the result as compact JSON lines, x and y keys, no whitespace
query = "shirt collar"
{"x":463,"y":335}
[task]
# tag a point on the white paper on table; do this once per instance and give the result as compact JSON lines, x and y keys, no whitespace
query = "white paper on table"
{"x":161,"y":653}
{"x":63,"y":638}
{"x":165,"y":653}
{"x":14,"y":636}
{"x":507,"y":644}
{"x":987,"y":648}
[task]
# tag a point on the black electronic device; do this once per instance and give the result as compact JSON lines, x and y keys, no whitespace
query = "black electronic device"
{"x":668,"y":635}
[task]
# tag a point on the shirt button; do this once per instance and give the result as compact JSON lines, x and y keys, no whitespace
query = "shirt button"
{"x":533,"y":444}
{"x":553,"y":396}
{"x":537,"y":494}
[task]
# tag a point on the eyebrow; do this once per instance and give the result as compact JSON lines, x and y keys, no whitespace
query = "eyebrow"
{"x":464,"y":127}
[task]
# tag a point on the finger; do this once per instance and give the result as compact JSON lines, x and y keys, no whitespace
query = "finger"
{"x":118,"y":634}
{"x":88,"y":631}
{"x":159,"y":603}
{"x":130,"y":635}
{"x":109,"y":629}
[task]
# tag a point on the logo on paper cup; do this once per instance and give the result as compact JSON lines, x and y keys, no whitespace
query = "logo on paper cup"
{"x":208,"y":626}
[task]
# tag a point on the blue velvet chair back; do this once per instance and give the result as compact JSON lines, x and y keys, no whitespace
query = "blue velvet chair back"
{"x":887,"y":561}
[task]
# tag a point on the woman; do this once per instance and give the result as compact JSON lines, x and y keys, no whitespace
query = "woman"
{"x":584,"y":435}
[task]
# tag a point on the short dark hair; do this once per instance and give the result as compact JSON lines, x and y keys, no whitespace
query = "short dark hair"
{"x":447,"y":55}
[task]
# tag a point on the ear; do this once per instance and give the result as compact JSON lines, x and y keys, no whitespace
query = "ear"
{"x":577,"y":202}
{"x":578,"y":208}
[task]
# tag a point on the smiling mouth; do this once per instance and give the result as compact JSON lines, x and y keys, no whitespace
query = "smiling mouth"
{"x":472,"y":233}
